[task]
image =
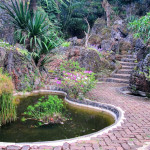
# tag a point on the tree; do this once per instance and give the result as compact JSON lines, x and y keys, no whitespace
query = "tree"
{"x":33,"y":6}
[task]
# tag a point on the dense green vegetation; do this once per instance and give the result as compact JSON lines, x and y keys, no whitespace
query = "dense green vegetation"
{"x":141,"y":27}
{"x":7,"y":107}
{"x":46,"y":110}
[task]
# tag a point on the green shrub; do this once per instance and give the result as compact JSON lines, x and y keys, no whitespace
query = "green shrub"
{"x":7,"y":108}
{"x":19,"y":13}
{"x":69,"y":66}
{"x":46,"y":110}
{"x":77,"y":83}
{"x":141,"y":27}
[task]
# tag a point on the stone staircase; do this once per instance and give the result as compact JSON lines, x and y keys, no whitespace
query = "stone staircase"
{"x":123,"y":74}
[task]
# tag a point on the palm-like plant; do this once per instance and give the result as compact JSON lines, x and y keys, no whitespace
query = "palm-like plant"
{"x":41,"y":54}
{"x":36,"y":30}
{"x":19,"y":13}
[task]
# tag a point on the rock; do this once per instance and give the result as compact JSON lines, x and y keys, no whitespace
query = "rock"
{"x":139,"y":44}
{"x":75,"y":41}
{"x":12,"y":147}
{"x":95,"y":40}
{"x":66,"y":146}
{"x":44,"y":147}
{"x":110,"y":45}
{"x":106,"y":45}
{"x":25,"y":74}
{"x":99,"y":24}
{"x":140,"y":77}
{"x":2,"y":56}
{"x":105,"y":33}
{"x":26,"y":147}
{"x":6,"y":29}
{"x":141,"y":49}
{"x":58,"y":148}
{"x":88,"y":59}
{"x":124,"y":47}
{"x":119,"y":30}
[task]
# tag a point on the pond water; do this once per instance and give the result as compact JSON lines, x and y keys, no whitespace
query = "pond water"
{"x":82,"y":121}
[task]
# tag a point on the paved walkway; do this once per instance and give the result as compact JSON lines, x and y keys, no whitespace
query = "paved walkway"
{"x":133,"y":133}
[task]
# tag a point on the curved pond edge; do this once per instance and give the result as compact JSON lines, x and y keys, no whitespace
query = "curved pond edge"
{"x":114,"y":111}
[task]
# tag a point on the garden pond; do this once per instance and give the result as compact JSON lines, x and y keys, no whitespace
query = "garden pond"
{"x":81,"y":121}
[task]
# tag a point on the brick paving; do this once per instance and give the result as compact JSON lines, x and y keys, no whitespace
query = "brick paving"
{"x":133,"y":134}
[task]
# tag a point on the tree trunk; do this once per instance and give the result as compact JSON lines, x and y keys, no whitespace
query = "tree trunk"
{"x":33,"y":4}
{"x":108,"y":10}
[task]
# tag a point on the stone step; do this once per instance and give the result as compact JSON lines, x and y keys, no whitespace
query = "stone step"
{"x":121,"y":76}
{"x":127,"y":63}
{"x":128,"y":67}
{"x":124,"y":71}
{"x":115,"y":80}
{"x":128,"y":60}
{"x":129,"y":56}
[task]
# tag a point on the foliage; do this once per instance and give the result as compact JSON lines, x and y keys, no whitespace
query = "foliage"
{"x":7,"y":108}
{"x":19,"y":13}
{"x":77,"y":82}
{"x":35,"y":31}
{"x":148,"y":74}
{"x":70,"y":14}
{"x":141,"y":27}
{"x":66,"y":44}
{"x":6,"y":45}
{"x":45,"y":109}
{"x":69,"y":66}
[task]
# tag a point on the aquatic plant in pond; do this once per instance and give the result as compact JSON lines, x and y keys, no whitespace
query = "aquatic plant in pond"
{"x":7,"y":108}
{"x":46,"y":110}
{"x":77,"y":83}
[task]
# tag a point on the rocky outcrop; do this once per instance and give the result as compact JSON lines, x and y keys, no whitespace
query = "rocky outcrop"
{"x":21,"y":67}
{"x":141,"y":49}
{"x":116,"y":37}
{"x":6,"y":29}
{"x":89,"y":59}
{"x":140,"y":77}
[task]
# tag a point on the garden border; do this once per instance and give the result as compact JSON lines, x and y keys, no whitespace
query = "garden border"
{"x":116,"y":112}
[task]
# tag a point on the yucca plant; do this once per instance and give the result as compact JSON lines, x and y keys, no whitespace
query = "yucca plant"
{"x":37,"y":29}
{"x":41,"y":54}
{"x":19,"y":13}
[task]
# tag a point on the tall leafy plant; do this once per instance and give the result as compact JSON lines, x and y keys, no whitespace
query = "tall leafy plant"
{"x":18,"y":12}
{"x":36,"y":30}
{"x":141,"y":27}
{"x":7,"y":108}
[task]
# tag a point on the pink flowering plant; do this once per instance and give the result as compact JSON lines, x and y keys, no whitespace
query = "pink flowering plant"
{"x":77,"y":82}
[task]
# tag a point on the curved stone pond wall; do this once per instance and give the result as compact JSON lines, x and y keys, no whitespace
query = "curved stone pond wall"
{"x":116,"y":112}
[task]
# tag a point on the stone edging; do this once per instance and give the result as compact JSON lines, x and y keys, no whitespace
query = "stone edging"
{"x":116,"y":112}
{"x":122,"y":89}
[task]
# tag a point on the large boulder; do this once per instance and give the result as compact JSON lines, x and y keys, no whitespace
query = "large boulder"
{"x":114,"y":38}
{"x":141,"y":49}
{"x":99,"y":24}
{"x":21,"y":67}
{"x":6,"y":28}
{"x":140,"y":77}
{"x":88,"y":59}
